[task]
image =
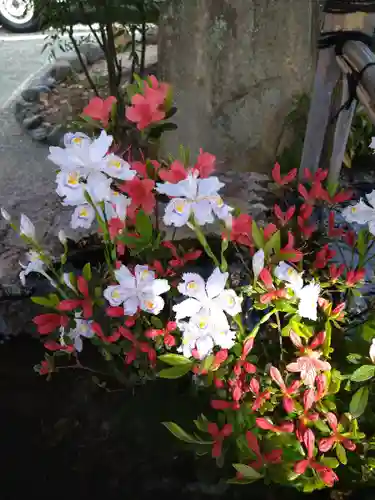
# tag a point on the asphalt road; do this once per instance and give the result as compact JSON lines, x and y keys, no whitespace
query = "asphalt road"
{"x":27,"y":178}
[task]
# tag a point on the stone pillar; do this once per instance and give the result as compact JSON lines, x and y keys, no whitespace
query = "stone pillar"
{"x":235,"y":66}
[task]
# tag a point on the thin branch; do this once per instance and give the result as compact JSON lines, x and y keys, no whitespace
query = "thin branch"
{"x":143,"y":49}
{"x":83,"y":64}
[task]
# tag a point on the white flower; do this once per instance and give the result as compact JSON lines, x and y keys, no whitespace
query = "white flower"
{"x":118,"y":168}
{"x":6,"y":215}
{"x":361,"y":213}
{"x":99,"y":187}
{"x":372,"y":351}
{"x":27,"y":228}
{"x":117,"y":206}
{"x":81,"y":153}
{"x":83,"y":216}
{"x":210,"y":298}
{"x":293,"y":278}
{"x":258,"y":263}
{"x":138,"y":290}
{"x":82,"y":329}
{"x":193,"y":196}
{"x":308,"y":304}
{"x":62,"y":237}
{"x":202,"y":336}
{"x":372,"y":144}
{"x":34,"y":264}
{"x":70,"y":187}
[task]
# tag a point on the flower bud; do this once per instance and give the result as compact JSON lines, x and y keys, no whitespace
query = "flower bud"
{"x":5,"y":214}
{"x":62,"y":237}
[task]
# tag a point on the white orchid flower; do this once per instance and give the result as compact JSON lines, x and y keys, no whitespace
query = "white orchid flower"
{"x":83,"y":216}
{"x":34,"y":264}
{"x":287,"y":273}
{"x":372,"y":351}
{"x":70,"y":187}
{"x":27,"y":228}
{"x":81,"y":153}
{"x":193,"y":196}
{"x":5,"y":214}
{"x":372,"y":144}
{"x":82,"y":330}
{"x":308,"y":304}
{"x":98,"y":187}
{"x":361,"y":213}
{"x":258,"y":263}
{"x":118,"y":168}
{"x":209,"y":298}
{"x":137,"y":291}
{"x":117,"y":206}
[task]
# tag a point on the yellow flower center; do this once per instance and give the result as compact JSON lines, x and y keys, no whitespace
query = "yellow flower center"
{"x":115,"y":294}
{"x":83,"y":212}
{"x":144,"y":274}
{"x":179,"y":207}
{"x":202,"y":324}
{"x":354,"y":209}
{"x":73,"y":179}
{"x":150,"y":304}
{"x":192,"y":285}
{"x":77,"y":140}
{"x":115,"y":164}
{"x":230,"y":301}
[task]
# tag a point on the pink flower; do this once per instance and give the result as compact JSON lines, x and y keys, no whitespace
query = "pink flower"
{"x":165,"y":333}
{"x":309,"y":399}
{"x":141,"y":194}
{"x":326,"y":444}
{"x":260,"y":397}
{"x":273,"y":457}
{"x":288,"y":392}
{"x":100,"y":109}
{"x":309,"y":363}
{"x":290,"y":253}
{"x":282,"y":181}
{"x":147,"y":108}
{"x":326,"y":474}
{"x":309,"y":366}
{"x":175,"y":173}
{"x":284,"y":217}
{"x":242,"y":230}
{"x":218,"y":437}
{"x":267,"y":425}
{"x":205,"y":164}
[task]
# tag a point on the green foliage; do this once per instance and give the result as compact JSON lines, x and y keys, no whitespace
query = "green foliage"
{"x":359,"y":140}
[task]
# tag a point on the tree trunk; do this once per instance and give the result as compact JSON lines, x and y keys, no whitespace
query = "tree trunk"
{"x":236,"y":66}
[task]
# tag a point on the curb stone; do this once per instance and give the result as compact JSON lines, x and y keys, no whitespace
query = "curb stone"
{"x":27,"y":109}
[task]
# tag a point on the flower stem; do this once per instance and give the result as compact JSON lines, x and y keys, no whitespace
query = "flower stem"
{"x":203,"y":241}
{"x":280,"y":335}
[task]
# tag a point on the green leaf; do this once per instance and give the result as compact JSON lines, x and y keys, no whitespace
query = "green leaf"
{"x":257,"y":236}
{"x":132,"y":90}
{"x":175,"y":360}
{"x":143,"y":225}
{"x":364,"y":372}
{"x":362,"y":242}
{"x":86,"y":271}
{"x":321,"y":426}
{"x":285,"y":306}
{"x":341,"y":453}
{"x":359,"y":402}
{"x":156,"y":322}
{"x":354,"y":358}
{"x":368,"y":330}
{"x":330,"y":462}
{"x":248,"y":472}
{"x":46,"y":301}
{"x":206,"y":365}
{"x":180,"y":434}
{"x":335,"y":382}
{"x":175,"y":372}
{"x":273,"y":244}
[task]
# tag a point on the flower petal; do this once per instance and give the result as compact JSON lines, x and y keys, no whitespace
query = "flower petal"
{"x":187,"y":308}
{"x":216,"y":283}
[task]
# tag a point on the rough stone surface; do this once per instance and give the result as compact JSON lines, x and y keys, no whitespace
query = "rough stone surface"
{"x":32,"y":122}
{"x":27,"y":108}
{"x":61,"y":70}
{"x":235,"y":66}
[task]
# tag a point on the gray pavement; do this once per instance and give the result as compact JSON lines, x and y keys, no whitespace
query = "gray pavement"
{"x":26,"y":177}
